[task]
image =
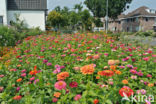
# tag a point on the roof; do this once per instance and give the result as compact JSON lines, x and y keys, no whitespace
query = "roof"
{"x":27,"y":4}
{"x":142,"y":11}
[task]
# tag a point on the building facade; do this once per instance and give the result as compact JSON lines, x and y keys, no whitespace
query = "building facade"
{"x":32,"y":12}
{"x":141,"y":19}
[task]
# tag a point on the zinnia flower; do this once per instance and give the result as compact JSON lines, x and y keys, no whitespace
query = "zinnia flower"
{"x":1,"y":89}
{"x":19,"y":80}
{"x":96,"y":101}
{"x":87,"y":69}
{"x":60,"y":85}
{"x":77,"y":97}
{"x":17,"y":97}
{"x":124,"y":81}
{"x":107,"y":73}
{"x":55,"y":100}
{"x":62,"y":75}
{"x":57,"y":94}
{"x":126,"y":90}
{"x":73,"y":84}
{"x":111,"y":62}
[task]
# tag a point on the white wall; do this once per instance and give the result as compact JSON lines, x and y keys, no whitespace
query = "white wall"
{"x":3,"y":11}
{"x":31,"y":18}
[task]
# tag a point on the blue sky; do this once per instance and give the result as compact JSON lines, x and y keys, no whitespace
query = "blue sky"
{"x":70,"y":3}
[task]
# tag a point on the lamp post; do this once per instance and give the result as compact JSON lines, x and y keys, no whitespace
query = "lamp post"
{"x":106,"y":17}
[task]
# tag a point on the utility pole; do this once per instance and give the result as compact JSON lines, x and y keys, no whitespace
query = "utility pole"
{"x":106,"y":16}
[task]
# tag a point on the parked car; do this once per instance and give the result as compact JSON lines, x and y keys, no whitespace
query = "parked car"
{"x":98,"y":29}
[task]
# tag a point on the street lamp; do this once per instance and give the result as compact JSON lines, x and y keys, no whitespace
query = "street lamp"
{"x":106,"y":17}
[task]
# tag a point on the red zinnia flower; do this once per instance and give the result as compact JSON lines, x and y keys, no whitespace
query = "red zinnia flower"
{"x":107,"y":73}
{"x":96,"y":101}
{"x":17,"y":97}
{"x":126,"y":90}
{"x":73,"y":84}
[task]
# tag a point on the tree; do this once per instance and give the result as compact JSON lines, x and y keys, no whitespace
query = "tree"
{"x":55,"y":18}
{"x":115,"y":8}
{"x":86,"y":19}
{"x":78,"y":7}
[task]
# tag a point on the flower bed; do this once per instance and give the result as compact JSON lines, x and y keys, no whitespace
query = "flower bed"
{"x":77,"y":69}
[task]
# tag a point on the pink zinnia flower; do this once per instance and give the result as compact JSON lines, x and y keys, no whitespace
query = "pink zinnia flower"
{"x":1,"y":76}
{"x":147,"y":102}
{"x":45,"y":61}
{"x":23,"y":71}
{"x":1,"y":89}
{"x":31,"y":79}
{"x":149,"y":75}
{"x":133,"y":71}
{"x":146,"y":58}
{"x":23,"y":74}
{"x":143,"y":91}
{"x":139,"y":73}
{"x":77,"y":97}
{"x":18,"y":88}
{"x":37,"y":80}
{"x":49,"y":64}
{"x":55,"y":100}
{"x":122,"y":67}
{"x":60,"y":85}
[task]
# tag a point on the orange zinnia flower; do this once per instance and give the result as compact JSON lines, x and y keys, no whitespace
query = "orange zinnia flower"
{"x":150,"y":85}
{"x":107,"y":73}
{"x":125,"y":81}
{"x":87,"y":69}
{"x":19,"y":80}
{"x":62,"y":75}
{"x":57,"y":94}
{"x":113,"y":67}
{"x":33,"y":72}
{"x":97,"y":77}
{"x":118,"y":72}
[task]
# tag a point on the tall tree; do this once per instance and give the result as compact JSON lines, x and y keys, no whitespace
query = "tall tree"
{"x":86,"y":19}
{"x":55,"y":18}
{"x":115,"y":8}
{"x":78,"y":7}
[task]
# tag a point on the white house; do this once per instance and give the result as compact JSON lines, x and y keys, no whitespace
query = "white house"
{"x":33,"y":12}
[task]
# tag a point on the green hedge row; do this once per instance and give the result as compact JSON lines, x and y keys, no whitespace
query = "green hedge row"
{"x":10,"y":36}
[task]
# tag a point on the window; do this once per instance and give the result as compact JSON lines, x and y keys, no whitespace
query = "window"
{"x":146,"y":19}
{"x":1,"y":20}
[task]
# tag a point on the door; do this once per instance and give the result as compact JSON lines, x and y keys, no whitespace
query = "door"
{"x":1,"y":20}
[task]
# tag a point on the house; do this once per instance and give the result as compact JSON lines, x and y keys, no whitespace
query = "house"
{"x":32,"y":12}
{"x":141,"y":19}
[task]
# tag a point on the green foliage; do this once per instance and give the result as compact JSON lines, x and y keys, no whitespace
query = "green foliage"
{"x":54,"y":18}
{"x":98,"y":22}
{"x":115,"y":8}
{"x":70,"y":19}
{"x":147,"y":33}
{"x":86,"y":19}
{"x":8,"y":36}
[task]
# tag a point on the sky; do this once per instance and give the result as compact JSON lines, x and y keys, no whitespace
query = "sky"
{"x":70,"y":3}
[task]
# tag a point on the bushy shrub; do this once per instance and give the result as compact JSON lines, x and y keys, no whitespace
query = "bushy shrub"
{"x":146,"y":33}
{"x":8,"y":36}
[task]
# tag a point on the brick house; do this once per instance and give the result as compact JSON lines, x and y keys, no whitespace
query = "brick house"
{"x":141,"y":19}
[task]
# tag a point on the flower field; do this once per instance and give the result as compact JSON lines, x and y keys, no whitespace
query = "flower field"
{"x":77,"y":69}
